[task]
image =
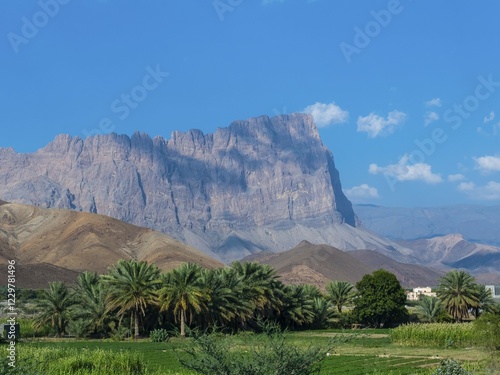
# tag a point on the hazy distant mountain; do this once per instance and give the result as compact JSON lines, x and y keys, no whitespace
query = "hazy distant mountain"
{"x":318,"y":264}
{"x":456,"y":252}
{"x":474,"y":223}
{"x":55,"y":244}
{"x":261,"y":184}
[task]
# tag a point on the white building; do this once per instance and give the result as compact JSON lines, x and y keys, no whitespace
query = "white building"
{"x":494,"y":289}
{"x":417,"y":292}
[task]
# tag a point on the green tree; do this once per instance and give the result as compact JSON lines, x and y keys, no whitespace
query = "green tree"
{"x":223,"y":302}
{"x":92,"y":300}
{"x":486,"y":303}
{"x":380,"y":299}
{"x":429,"y":308}
{"x":312,"y":291}
{"x":132,"y":288}
{"x":297,"y":306}
{"x":340,"y":293}
{"x":459,"y":293}
{"x":260,"y":287}
{"x":56,"y":305}
{"x":324,"y":313}
{"x":322,"y":310}
{"x":183,"y":292}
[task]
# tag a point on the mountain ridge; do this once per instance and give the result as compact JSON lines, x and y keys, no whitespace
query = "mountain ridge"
{"x":455,"y":251}
{"x":71,"y":242}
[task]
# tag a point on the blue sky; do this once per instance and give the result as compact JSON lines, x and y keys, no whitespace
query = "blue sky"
{"x":406,"y":93}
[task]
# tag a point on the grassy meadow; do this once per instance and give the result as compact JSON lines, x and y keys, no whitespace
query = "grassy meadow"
{"x":367,"y":352}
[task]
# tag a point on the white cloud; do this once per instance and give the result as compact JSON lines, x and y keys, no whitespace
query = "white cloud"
{"x":376,"y":125}
{"x":430,"y":116}
{"x":327,"y":114}
{"x":361,"y":193}
{"x":488,"y":163}
{"x":456,"y":177}
{"x":466,"y":186}
{"x":490,"y":191}
{"x":404,"y":171}
{"x":489,"y":118}
{"x":436,"y":102}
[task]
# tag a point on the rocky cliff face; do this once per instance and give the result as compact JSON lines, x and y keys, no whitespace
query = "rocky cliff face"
{"x":265,"y":183}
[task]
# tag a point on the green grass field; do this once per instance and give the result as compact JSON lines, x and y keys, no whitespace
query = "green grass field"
{"x":370,"y":352}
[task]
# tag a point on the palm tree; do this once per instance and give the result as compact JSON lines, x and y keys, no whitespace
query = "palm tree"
{"x":485,"y":301}
{"x":324,"y":312}
{"x":56,"y":305}
{"x":132,"y":288}
{"x":92,"y":299}
{"x":458,"y":292}
{"x":85,"y":282}
{"x":183,"y":292}
{"x":224,"y":302}
{"x":340,"y":293}
{"x":298,"y":308}
{"x":261,"y":287}
{"x":312,"y":291}
{"x":429,"y":308}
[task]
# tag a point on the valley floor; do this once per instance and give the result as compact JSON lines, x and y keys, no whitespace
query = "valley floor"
{"x":369,"y":352}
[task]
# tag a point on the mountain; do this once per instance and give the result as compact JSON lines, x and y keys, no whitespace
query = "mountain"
{"x":308,"y":263}
{"x":475,"y":223}
{"x":57,"y":244}
{"x":456,"y":252}
{"x":260,"y":184}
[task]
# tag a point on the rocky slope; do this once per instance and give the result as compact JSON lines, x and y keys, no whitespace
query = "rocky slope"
{"x":55,"y":244}
{"x":261,"y":184}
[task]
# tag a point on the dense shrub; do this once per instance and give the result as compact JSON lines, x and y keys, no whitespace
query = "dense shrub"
{"x":273,"y":355}
{"x":344,"y":321}
{"x":450,"y":367}
{"x":78,"y":328}
{"x":158,"y":335}
{"x":488,"y":329}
